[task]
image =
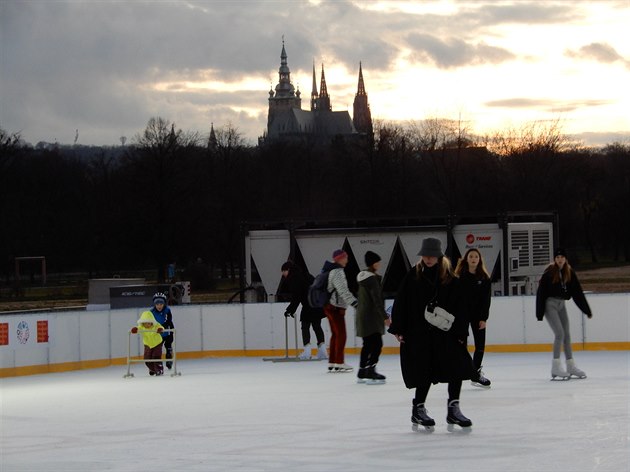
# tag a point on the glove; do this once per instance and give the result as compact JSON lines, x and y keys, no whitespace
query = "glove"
{"x":288,"y":313}
{"x":159,"y":330}
{"x":134,"y":330}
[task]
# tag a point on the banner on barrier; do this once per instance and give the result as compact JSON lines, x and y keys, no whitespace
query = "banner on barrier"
{"x":24,"y":332}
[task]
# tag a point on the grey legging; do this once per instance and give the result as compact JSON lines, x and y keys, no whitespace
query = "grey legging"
{"x":556,"y":314}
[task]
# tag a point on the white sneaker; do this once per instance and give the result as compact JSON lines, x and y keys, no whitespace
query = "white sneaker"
{"x":306,"y":353}
{"x":321,"y":351}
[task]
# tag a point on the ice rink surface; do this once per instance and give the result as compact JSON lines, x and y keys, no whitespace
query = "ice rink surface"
{"x":243,"y":414}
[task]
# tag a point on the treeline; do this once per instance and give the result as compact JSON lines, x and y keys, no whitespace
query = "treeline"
{"x":172,"y":195}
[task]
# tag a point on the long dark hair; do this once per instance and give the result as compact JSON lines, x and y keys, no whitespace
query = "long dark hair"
{"x":554,"y":270}
{"x":462,"y":266}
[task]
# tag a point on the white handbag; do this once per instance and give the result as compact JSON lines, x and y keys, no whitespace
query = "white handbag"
{"x":438,"y":317}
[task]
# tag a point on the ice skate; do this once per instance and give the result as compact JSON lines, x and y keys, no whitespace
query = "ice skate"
{"x":321,"y":351}
{"x":339,"y":368}
{"x":556,"y":371}
{"x":456,"y":417}
{"x":479,"y":380}
{"x":362,"y":375}
{"x":573,"y":370}
{"x":373,"y":377}
{"x":420,"y":418}
{"x":306,"y":353}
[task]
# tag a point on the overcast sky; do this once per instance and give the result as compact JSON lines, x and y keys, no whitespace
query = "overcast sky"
{"x":106,"y":67}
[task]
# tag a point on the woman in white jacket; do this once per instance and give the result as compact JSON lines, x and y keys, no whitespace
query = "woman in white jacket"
{"x":335,"y":310}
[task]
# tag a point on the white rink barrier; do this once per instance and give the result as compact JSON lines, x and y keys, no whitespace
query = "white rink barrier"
{"x":134,"y":360}
{"x":61,"y":341}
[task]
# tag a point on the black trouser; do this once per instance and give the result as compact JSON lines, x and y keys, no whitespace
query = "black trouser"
{"x":454,"y":389}
{"x":371,"y":350}
{"x":480,"y":343}
{"x":306,"y":332}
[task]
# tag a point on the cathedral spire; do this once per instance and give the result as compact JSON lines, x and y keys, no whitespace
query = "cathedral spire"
{"x":361,"y":115}
{"x":361,"y":86}
{"x":285,"y":96}
{"x":314,"y":94}
{"x":324,"y":98}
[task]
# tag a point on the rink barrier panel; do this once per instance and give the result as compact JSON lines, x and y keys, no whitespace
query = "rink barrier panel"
{"x":85,"y":340}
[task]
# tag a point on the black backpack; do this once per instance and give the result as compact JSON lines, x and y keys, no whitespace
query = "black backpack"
{"x":318,"y":294}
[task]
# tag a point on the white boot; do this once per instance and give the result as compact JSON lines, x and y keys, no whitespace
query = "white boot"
{"x":574,"y":371}
{"x":306,"y":353}
{"x":321,"y":351}
{"x":557,"y":371}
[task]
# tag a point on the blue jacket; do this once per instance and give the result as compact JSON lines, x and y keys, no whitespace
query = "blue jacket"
{"x":165,"y":318}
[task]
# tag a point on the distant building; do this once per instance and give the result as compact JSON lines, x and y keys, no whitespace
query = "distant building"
{"x":287,"y":120}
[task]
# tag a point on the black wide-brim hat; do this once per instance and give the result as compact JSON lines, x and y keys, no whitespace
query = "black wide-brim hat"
{"x":431,"y":247}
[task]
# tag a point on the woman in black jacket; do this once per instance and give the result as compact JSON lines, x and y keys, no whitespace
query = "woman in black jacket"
{"x":429,"y":355}
{"x":557,"y":284}
{"x":475,"y":280}
{"x":296,"y":284}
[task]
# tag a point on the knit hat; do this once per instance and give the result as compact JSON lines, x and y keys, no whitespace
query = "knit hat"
{"x":288,"y":265}
{"x":159,"y":297}
{"x":560,"y":252}
{"x":339,"y":254}
{"x":371,"y":258}
{"x":431,"y":247}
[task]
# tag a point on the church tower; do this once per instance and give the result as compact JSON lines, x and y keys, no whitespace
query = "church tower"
{"x":285,"y":96}
{"x":361,"y":116}
{"x":323,"y":103}
{"x":314,"y":94}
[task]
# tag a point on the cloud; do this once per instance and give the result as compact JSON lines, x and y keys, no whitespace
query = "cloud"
{"x":603,"y":138}
{"x":454,"y":52}
{"x":600,"y":52}
{"x":544,"y":103}
{"x":549,"y":12}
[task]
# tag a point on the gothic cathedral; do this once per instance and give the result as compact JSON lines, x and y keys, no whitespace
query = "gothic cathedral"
{"x":287,"y":120}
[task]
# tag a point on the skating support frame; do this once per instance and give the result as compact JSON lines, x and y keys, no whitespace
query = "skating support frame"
{"x":131,"y":360}
{"x":286,"y":357}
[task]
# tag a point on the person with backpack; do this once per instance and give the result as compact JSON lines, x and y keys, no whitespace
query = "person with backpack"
{"x":296,"y":284}
{"x":335,"y":309}
{"x":370,"y":320}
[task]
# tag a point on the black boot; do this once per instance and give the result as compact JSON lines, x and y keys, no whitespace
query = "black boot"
{"x":419,"y":417}
{"x":478,"y":379}
{"x":362,"y":375}
{"x":455,"y":415}
{"x":373,"y":377}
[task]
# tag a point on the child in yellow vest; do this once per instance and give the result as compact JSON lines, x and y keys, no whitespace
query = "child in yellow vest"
{"x":152,"y":340}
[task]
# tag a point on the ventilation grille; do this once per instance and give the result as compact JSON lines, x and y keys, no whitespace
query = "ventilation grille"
{"x":541,"y":247}
{"x":520,"y":243}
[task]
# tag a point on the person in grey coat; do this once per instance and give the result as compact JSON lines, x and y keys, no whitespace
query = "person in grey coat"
{"x":370,"y":319}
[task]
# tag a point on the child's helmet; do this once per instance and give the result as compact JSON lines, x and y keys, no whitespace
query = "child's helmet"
{"x":159,"y":297}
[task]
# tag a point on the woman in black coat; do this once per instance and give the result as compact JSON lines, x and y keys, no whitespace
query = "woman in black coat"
{"x":475,"y":282}
{"x":296,"y":284}
{"x":429,"y":355}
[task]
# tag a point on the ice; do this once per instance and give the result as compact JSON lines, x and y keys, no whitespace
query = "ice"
{"x":243,"y":414}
